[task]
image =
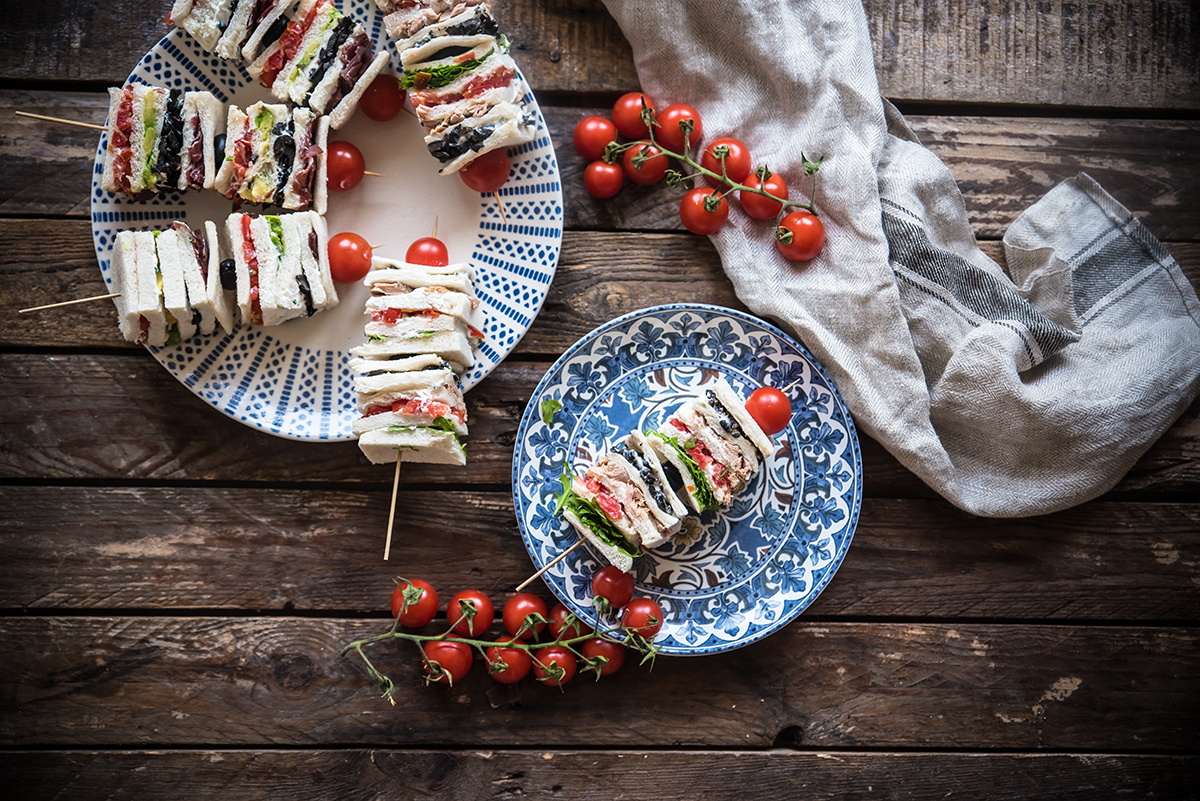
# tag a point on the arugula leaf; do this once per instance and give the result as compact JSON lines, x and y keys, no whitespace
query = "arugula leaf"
{"x":442,"y":75}
{"x":550,"y":407}
{"x":704,"y":493}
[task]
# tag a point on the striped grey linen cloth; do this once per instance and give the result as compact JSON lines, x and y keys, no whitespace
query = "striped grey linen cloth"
{"x":1010,"y":393}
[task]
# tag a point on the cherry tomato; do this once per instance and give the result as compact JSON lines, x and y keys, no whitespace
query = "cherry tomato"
{"x":592,"y":135}
{"x":651,"y":170}
{"x":428,"y":251}
{"x":383,"y":98}
{"x":482,"y":620}
{"x":344,"y":165}
{"x":759,"y":207}
{"x":670,"y":135}
{"x":603,"y":180}
{"x":488,"y":172}
{"x":454,"y":658}
{"x":518,"y":607}
{"x":518,"y":661}
{"x":614,"y":652}
{"x":643,"y":616}
{"x":554,"y":655}
{"x":696,"y":218}
{"x":349,"y":257}
{"x":770,"y":408}
{"x":613,"y":585}
{"x":420,"y":611}
{"x":627,"y":115}
{"x":559,"y":627}
{"x":807,"y":236}
{"x":737,"y":161}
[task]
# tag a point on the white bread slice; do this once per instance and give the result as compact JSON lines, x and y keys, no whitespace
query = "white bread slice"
{"x":269,"y":262}
{"x":434,"y":106}
{"x":476,"y":19}
{"x":222,"y":299}
{"x":637,"y":441}
{"x":125,"y":281}
{"x":210,"y":112}
{"x":737,"y":407}
{"x":400,"y":364}
{"x":340,"y":113}
{"x":149,"y":297}
{"x":175,"y":256}
{"x":660,"y":525}
{"x":308,"y":131}
{"x":418,"y":327}
{"x":253,"y":43}
{"x":435,"y":299}
{"x":108,"y":180}
{"x":315,"y":257}
{"x":511,"y":124}
{"x":236,"y":122}
{"x":404,"y":19}
{"x":149,"y":108}
{"x":669,"y":456}
{"x":435,"y":53}
{"x":429,"y":445}
{"x":289,"y":299}
{"x":202,"y":19}
{"x":236,"y":31}
{"x":452,"y":346}
{"x":459,"y":277}
{"x":615,"y":556}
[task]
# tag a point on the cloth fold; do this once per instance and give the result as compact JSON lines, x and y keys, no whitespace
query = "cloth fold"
{"x":1010,"y":393}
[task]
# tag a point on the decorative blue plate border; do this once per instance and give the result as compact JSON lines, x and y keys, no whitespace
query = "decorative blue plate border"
{"x":730,"y":577}
{"x":301,"y":387}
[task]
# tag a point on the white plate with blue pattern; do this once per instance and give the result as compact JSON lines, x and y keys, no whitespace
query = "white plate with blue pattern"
{"x":293,"y":380}
{"x":730,"y":577}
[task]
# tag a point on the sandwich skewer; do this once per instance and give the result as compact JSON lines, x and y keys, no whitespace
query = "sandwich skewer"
{"x":76,"y":123}
{"x":69,"y":302}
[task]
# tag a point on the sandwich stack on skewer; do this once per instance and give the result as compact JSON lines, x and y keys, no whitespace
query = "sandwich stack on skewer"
{"x":424,"y":323}
{"x":275,"y":156}
{"x":709,"y":450}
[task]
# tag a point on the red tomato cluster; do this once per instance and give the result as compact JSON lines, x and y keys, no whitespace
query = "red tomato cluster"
{"x":516,"y":653}
{"x":799,"y":235}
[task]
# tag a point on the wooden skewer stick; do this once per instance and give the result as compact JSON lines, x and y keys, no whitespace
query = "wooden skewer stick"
{"x":374,"y":174}
{"x":435,"y":222}
{"x":549,"y":565}
{"x":387,"y":545}
{"x":69,"y":302}
{"x":500,"y":204}
{"x":60,"y":119}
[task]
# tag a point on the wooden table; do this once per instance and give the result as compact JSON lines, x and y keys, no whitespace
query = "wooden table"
{"x":176,"y":587}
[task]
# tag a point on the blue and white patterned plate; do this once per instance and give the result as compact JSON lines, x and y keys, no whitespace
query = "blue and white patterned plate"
{"x":729,"y":577}
{"x":293,"y":380}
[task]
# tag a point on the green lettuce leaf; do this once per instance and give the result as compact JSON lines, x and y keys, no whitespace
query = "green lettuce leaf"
{"x":704,"y":492}
{"x":592,"y":516}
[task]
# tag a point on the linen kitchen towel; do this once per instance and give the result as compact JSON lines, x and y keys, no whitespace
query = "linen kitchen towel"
{"x":1011,"y":394}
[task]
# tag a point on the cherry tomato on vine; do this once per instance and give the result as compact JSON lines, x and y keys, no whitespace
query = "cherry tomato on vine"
{"x":454,"y":658}
{"x":518,"y":608}
{"x":613,"y":585}
{"x":488,"y":172}
{"x":518,"y":661}
{"x":643,"y":616}
{"x":759,"y":207}
{"x":627,"y":115}
{"x":614,"y":652}
{"x":603,"y":180}
{"x":592,"y":135}
{"x":428,"y":251}
{"x":770,"y":408}
{"x":696,"y":218}
{"x":481,"y":622}
{"x":737,"y":161}
{"x":554,"y":655}
{"x":668,"y":131}
{"x":807,"y":236}
{"x":651,"y":170}
{"x":419,"y":612}
{"x":559,"y":628}
{"x":349,"y":257}
{"x":344,"y":165}
{"x":383,"y":98}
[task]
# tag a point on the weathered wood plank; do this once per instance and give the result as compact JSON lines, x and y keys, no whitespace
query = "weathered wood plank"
{"x":124,"y":417}
{"x":1110,"y":54}
{"x":146,"y":682}
{"x":1003,"y":164}
{"x":351,"y":774}
{"x":910,"y":558}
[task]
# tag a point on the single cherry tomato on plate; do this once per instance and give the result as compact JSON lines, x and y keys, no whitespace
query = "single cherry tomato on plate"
{"x":603,"y":180}
{"x":800,"y":236}
{"x":645,"y":164}
{"x":559,"y":628}
{"x":592,"y":135}
{"x":518,"y":608}
{"x":517,"y":662}
{"x":344,"y":166}
{"x":627,"y":115}
{"x":429,"y":252}
{"x":643,"y":616}
{"x":484,"y":614}
{"x":696,"y":218}
{"x":383,"y":98}
{"x":349,"y":257}
{"x":614,"y":652}
{"x":421,"y":609}
{"x":759,"y":207}
{"x":670,"y":135}
{"x":613,"y":585}
{"x":737,"y":160}
{"x":770,"y":408}
{"x":453,"y":657}
{"x":554,"y":655}
{"x":488,"y":172}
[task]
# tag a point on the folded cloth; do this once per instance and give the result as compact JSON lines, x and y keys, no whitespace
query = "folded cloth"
{"x":1010,"y":393}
